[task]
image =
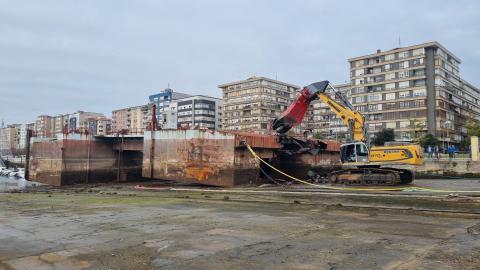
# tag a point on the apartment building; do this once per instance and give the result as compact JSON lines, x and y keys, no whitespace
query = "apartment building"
{"x":79,"y":121}
{"x":44,"y":126}
{"x":22,"y":134}
{"x":60,"y":123}
{"x":320,"y":119}
{"x":414,"y":90}
{"x":199,"y":112}
{"x":103,"y":126}
{"x":132,"y":119}
{"x":162,"y":101}
{"x":8,"y":139}
{"x":251,"y":104}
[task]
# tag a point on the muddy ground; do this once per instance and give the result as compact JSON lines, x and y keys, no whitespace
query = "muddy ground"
{"x":118,"y":227}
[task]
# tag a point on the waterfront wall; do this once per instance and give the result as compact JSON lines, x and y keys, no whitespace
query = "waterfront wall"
{"x":459,"y":167}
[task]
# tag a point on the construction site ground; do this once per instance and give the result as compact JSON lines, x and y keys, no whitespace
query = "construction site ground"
{"x":119,"y":226}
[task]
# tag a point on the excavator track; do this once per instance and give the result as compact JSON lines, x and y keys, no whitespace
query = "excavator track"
{"x":369,"y":176}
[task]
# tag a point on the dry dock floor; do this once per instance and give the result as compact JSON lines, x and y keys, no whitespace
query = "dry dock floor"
{"x":119,"y":227}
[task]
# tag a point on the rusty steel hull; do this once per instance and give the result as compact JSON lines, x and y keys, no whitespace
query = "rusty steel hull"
{"x":198,"y":156}
{"x":81,"y":160}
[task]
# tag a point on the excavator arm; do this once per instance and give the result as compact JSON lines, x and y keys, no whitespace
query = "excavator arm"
{"x":294,"y":114}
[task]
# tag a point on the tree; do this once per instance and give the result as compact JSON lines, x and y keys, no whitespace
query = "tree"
{"x":384,"y":135}
{"x":318,"y":135}
{"x":416,"y":125}
{"x":428,"y":140}
{"x":473,"y":127}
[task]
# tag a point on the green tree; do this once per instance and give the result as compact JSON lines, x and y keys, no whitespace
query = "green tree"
{"x":416,"y":125}
{"x":318,"y":135}
{"x":427,"y":140}
{"x":473,"y":127}
{"x":383,"y":136}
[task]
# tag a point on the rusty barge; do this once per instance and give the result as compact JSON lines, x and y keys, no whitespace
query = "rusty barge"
{"x":216,"y":158}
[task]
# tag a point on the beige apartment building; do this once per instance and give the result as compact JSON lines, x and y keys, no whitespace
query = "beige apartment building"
{"x":414,"y":90}
{"x":251,"y":104}
{"x":44,"y":126}
{"x":132,"y":119}
{"x":8,"y":139}
{"x":79,"y":121}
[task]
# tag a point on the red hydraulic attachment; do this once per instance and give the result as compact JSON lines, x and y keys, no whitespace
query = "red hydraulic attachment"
{"x":294,"y":114}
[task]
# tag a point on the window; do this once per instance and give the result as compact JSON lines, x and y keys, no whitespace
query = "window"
{"x":418,"y":51}
{"x":403,"y":64}
{"x":359,"y":72}
{"x":359,"y":99}
{"x":389,"y":57}
{"x":389,"y":96}
{"x":391,"y":125}
{"x":404,"y":54}
{"x":404,"y":84}
{"x":419,"y":82}
{"x":404,"y":124}
{"x":404,"y":94}
{"x":390,"y":86}
{"x":419,"y":92}
{"x":387,"y":67}
{"x":374,"y":97}
{"x":403,"y":74}
{"x":390,"y":76}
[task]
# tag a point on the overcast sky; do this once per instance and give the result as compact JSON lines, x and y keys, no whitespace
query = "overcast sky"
{"x":62,"y":56}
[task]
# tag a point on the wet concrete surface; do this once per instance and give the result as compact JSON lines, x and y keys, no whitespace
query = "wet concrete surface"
{"x":118,"y":227}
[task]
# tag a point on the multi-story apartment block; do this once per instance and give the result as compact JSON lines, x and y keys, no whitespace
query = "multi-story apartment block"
{"x":414,"y":90}
{"x":162,"y":101}
{"x":82,"y":121}
{"x":132,"y":119}
{"x":251,"y":104}
{"x":104,"y":126}
{"x":60,"y":123}
{"x":44,"y":126}
{"x":22,"y":134}
{"x":199,"y":111}
{"x":320,"y":119}
{"x":8,"y":140}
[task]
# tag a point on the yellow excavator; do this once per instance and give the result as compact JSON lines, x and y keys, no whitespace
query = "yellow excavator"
{"x":363,"y":165}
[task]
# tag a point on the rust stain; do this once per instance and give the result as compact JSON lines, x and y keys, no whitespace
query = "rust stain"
{"x":201,"y":173}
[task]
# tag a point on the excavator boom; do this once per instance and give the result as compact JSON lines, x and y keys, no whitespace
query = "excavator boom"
{"x":357,"y":152}
{"x":294,"y":114}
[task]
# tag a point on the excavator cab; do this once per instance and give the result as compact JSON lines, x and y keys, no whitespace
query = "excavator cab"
{"x":354,"y":152}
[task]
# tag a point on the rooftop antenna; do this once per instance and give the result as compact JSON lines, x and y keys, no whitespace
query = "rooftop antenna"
{"x":2,"y":125}
{"x":168,"y":85}
{"x":399,"y":42}
{"x":276,"y":76}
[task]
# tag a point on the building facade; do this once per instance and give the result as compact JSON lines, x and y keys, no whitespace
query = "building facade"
{"x":132,"y":119}
{"x":44,"y":126}
{"x":251,"y":104}
{"x":8,"y":140}
{"x":414,"y":90}
{"x":103,"y":126}
{"x":81,"y":121}
{"x":199,"y":112}
{"x":162,"y":101}
{"x":47,"y":126}
{"x":22,"y":134}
